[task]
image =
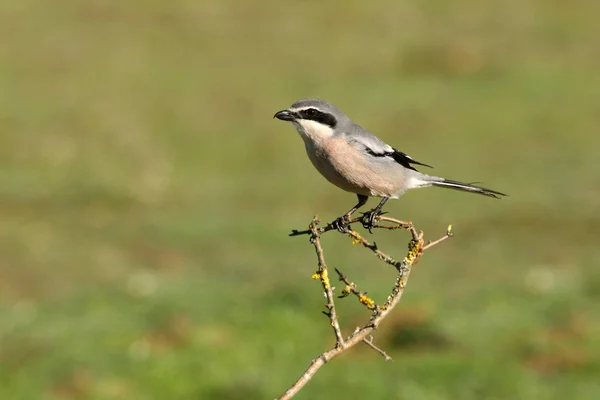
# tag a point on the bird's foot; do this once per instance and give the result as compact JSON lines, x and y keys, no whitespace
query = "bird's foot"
{"x":368,"y":219}
{"x":341,"y":224}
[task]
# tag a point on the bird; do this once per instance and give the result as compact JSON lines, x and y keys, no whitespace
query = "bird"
{"x":359,"y":162}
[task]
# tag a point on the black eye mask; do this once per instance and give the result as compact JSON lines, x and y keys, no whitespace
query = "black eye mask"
{"x":312,"y":114}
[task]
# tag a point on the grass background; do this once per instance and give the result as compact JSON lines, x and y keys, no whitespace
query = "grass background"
{"x":146,"y":195}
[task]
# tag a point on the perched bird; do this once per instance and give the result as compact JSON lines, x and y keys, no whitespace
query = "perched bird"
{"x":357,"y":161}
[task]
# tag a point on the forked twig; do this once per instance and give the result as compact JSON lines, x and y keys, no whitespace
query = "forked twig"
{"x":416,"y":246}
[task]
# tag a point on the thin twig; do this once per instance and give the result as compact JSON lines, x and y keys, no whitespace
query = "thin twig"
{"x":322,"y":275}
{"x":398,"y":224}
{"x":369,"y":342}
{"x":350,"y":288}
{"x":329,"y":227}
{"x":449,"y":234}
{"x":373,"y":247}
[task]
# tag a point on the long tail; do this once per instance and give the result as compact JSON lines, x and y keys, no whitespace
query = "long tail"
{"x":426,"y":180}
{"x":468,"y":187}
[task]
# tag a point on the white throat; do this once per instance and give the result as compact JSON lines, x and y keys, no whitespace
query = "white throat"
{"x":313,"y":131}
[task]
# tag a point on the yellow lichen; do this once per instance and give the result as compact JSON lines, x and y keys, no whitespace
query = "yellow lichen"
{"x":367,"y":301}
{"x":415,"y":249}
{"x":321,"y":274}
{"x":346,"y":291}
{"x":356,"y":238}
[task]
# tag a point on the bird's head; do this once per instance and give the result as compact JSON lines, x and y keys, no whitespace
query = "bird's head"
{"x":313,"y":119}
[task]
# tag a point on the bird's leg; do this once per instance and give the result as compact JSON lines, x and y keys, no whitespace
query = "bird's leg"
{"x":368,"y":218}
{"x":341,"y":223}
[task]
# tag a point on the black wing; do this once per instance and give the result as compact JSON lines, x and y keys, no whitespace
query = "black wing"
{"x":398,"y":156}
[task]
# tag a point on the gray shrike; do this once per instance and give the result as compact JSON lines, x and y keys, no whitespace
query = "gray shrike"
{"x":357,"y":161}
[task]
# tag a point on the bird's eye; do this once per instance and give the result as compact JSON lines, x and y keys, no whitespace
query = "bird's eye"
{"x":311,"y":113}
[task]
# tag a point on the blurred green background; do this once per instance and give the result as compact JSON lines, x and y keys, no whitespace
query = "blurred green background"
{"x":146,"y":194}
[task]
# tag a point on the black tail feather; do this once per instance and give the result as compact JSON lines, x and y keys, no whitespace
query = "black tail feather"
{"x":468,"y":187}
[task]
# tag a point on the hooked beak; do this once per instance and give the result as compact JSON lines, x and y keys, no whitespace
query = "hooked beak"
{"x":284,"y":115}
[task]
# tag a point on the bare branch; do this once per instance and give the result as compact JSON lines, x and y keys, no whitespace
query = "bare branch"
{"x":351,"y":289}
{"x":373,"y":247}
{"x":322,"y":275}
{"x":322,"y":230}
{"x":369,"y":342}
{"x":449,"y":234}
{"x":416,"y":246}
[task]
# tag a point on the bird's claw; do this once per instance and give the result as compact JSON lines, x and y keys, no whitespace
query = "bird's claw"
{"x":340,"y":224}
{"x":368,"y":219}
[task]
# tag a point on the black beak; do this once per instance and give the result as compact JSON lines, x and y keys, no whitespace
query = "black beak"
{"x":284,"y":115}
